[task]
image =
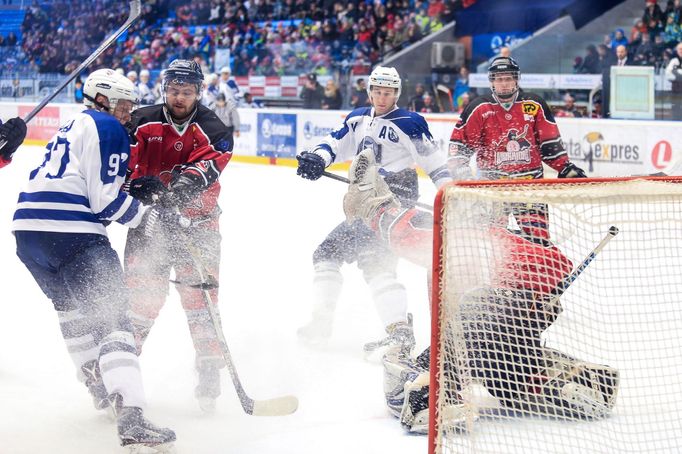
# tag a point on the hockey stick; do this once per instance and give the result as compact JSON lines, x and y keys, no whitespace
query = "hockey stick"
{"x":336,"y":177}
{"x":135,"y":11}
{"x":568,"y":280}
{"x":279,"y":406}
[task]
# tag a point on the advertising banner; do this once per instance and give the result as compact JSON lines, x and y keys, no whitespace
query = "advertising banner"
{"x":44,"y":125}
{"x":604,"y":148}
{"x":621,"y":148}
{"x":276,"y":135}
{"x":314,"y":125}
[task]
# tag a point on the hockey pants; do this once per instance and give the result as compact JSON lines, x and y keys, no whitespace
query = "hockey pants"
{"x":82,"y":275}
{"x":148,"y":262}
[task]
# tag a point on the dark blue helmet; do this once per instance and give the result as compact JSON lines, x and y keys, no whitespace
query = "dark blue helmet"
{"x":184,"y":72}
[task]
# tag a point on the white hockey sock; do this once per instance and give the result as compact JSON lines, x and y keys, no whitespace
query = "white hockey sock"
{"x":390,"y":298}
{"x":120,"y":368}
{"x":327,"y":285}
{"x":81,"y":347}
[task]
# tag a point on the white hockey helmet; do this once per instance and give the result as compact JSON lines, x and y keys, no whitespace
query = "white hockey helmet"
{"x":111,"y":84}
{"x":385,"y":76}
{"x":144,"y":73}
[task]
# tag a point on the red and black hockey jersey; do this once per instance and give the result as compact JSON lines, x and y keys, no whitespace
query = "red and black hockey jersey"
{"x":509,"y":143}
{"x":204,"y":147}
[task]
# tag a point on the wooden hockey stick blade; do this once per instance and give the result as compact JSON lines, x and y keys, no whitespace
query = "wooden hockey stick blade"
{"x":336,"y":177}
{"x":279,"y":406}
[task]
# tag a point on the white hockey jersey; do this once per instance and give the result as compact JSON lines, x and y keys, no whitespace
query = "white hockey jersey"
{"x":399,"y":139}
{"x":77,"y":187}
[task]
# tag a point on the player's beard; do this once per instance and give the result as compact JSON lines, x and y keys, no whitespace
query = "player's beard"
{"x":181,"y":112}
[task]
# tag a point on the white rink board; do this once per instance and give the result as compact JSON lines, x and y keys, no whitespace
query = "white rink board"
{"x":605,"y":148}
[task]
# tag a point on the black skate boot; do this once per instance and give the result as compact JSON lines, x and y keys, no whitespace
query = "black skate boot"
{"x":93,"y":380}
{"x":208,"y":389}
{"x":138,"y":434}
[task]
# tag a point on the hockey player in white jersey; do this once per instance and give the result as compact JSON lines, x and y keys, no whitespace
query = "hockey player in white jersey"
{"x":59,"y":225}
{"x":400,"y":139}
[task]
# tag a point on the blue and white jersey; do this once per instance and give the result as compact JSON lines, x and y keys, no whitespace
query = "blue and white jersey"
{"x":399,"y":139}
{"x":77,"y":188}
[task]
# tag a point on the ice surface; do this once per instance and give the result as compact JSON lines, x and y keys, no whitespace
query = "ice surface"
{"x":272,"y":222}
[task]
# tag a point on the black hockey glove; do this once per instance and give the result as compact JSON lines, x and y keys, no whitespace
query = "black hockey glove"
{"x":404,"y":184}
{"x":148,"y":189}
{"x":572,"y":171}
{"x":160,"y":219}
{"x":185,"y":187}
{"x":13,"y":132}
{"x":310,"y":165}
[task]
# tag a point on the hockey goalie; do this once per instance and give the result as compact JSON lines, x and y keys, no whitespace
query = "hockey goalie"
{"x":497,"y":327}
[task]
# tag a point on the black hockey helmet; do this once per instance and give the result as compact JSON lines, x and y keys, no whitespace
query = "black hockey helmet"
{"x":183,"y":72}
{"x":504,"y":65}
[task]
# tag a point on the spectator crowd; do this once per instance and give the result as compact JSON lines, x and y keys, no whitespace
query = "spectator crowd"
{"x":264,"y":37}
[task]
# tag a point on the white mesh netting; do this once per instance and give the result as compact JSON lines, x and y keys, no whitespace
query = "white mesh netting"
{"x":519,"y":371}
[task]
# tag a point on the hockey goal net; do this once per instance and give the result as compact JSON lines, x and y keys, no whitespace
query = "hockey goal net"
{"x":527,"y":357}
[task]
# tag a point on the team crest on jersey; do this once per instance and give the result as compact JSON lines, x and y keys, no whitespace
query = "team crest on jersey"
{"x":392,"y":136}
{"x":178,"y":145}
{"x":529,"y":108}
{"x":368,"y":142}
{"x":517,"y":148}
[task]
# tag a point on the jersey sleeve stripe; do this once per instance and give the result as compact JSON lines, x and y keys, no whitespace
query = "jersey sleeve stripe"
{"x":58,"y":215}
{"x":132,"y":211}
{"x":54,"y":197}
{"x":114,"y":207}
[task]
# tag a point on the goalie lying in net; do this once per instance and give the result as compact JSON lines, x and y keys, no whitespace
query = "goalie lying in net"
{"x":498,"y":326}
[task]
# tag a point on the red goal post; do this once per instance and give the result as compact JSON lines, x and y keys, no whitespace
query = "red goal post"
{"x":602,"y":369}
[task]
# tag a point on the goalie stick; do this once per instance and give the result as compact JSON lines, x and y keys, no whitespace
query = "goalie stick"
{"x":568,"y":280}
{"x":336,"y":177}
{"x":278,"y":406}
{"x":135,"y":11}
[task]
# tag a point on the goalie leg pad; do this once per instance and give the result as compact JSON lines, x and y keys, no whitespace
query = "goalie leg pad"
{"x":398,"y":370}
{"x":576,"y":389}
{"x":414,"y":416}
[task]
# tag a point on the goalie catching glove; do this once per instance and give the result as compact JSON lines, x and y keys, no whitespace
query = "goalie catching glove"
{"x":367,"y":191}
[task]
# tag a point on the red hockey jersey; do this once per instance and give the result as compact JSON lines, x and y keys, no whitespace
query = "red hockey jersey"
{"x":509,"y":143}
{"x":204,"y":147}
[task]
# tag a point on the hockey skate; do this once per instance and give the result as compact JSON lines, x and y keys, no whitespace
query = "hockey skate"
{"x":400,"y":336}
{"x":93,"y":380}
{"x":136,"y":433}
{"x":317,"y":331}
{"x":208,"y":388}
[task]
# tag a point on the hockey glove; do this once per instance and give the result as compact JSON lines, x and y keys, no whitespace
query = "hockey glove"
{"x":148,"y":189}
{"x":185,"y":187}
{"x":310,"y":165}
{"x":159,"y":219}
{"x":13,"y":132}
{"x":571,"y":170}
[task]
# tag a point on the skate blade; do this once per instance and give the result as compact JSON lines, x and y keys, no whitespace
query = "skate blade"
{"x":163,"y":448}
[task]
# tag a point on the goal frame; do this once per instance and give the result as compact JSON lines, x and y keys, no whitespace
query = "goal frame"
{"x":437,"y":265}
